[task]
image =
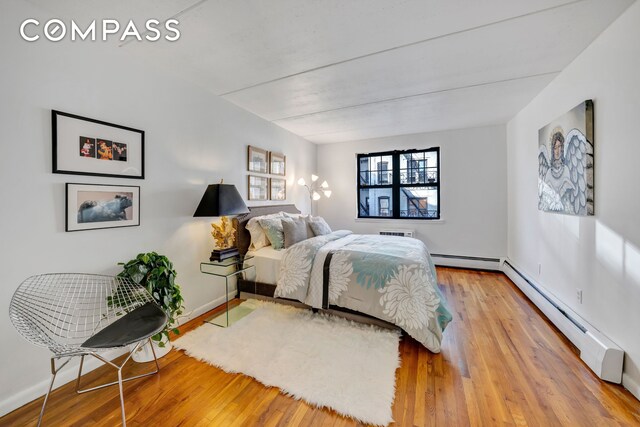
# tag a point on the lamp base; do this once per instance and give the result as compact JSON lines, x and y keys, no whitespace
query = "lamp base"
{"x":220,"y":254}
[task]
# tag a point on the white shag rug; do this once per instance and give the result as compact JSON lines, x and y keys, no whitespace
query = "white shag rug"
{"x":326,"y":361}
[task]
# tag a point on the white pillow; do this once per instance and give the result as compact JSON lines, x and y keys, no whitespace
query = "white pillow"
{"x":258,"y":238}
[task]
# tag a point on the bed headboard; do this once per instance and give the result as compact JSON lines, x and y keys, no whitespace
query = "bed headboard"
{"x":244,"y":238}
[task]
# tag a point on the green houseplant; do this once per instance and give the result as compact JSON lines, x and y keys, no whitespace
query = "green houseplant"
{"x":156,"y":273}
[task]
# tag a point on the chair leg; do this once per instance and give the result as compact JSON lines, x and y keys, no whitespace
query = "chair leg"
{"x":124,"y":418}
{"x":79,"y":374}
{"x":124,"y":380}
{"x":154,"y":355}
{"x":54,"y":372}
{"x":46,"y":397}
{"x":120,"y":379}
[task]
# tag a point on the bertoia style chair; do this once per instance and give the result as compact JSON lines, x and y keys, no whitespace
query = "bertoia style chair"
{"x":85,"y":314}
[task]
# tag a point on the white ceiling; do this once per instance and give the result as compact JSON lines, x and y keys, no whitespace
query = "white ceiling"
{"x":340,"y":70}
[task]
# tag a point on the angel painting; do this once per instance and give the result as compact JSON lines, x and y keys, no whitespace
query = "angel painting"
{"x":565,"y":163}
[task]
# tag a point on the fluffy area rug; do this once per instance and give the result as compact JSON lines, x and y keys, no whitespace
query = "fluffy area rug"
{"x":326,"y":361}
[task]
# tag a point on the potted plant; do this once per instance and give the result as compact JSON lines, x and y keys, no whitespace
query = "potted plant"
{"x":156,"y":273}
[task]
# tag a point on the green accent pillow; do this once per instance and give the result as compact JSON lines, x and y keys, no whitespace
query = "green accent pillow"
{"x":273,"y":229}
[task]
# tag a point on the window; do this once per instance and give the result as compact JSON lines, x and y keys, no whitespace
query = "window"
{"x":399,"y":184}
{"x":383,"y":206}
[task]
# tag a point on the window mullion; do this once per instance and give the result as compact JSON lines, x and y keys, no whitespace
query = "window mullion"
{"x":395,"y":189}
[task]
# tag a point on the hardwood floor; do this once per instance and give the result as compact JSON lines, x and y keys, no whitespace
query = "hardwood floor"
{"x":502,"y":363}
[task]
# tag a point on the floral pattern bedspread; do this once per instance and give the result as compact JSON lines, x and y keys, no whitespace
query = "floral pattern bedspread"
{"x":388,"y":277}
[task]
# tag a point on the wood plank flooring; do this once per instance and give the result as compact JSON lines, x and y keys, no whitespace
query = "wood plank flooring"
{"x":502,"y":364}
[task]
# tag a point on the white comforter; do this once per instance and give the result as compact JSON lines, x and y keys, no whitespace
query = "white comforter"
{"x":391,"y":278}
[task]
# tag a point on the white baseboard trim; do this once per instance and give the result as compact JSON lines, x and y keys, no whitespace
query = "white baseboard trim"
{"x":570,"y":330}
{"x":206,"y":307}
{"x":70,"y":372}
{"x":598,"y":352}
{"x":478,"y":263}
{"x":631,"y":385}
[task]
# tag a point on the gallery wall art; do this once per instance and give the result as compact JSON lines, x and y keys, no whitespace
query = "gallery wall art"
{"x":277,"y":164}
{"x":93,"y":206}
{"x":258,"y":160}
{"x":268,"y":163}
{"x":84,"y":146}
{"x":277,"y":189}
{"x":566,"y":163}
{"x":258,"y":187}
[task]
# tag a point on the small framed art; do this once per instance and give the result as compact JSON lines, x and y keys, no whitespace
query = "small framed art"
{"x":278,"y":189}
{"x":84,"y":146}
{"x":258,"y":188}
{"x":258,"y":160}
{"x":277,"y":164}
{"x":94,"y":206}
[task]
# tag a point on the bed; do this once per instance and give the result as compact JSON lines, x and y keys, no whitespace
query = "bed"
{"x":386,"y":280}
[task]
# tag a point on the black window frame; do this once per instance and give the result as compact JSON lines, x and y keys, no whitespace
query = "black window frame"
{"x":396,"y":186}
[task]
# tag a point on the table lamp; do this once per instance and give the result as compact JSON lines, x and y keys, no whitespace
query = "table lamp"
{"x":222,"y":200}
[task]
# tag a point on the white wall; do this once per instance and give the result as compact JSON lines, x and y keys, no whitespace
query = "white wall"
{"x":192,"y":139}
{"x":600,"y":254}
{"x":473,"y":195}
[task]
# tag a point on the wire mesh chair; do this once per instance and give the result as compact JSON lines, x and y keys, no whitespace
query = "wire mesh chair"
{"x":84,"y":314}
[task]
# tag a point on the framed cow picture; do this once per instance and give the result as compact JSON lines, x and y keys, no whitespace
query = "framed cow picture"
{"x":94,"y":206}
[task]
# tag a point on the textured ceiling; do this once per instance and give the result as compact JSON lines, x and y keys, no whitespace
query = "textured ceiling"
{"x":337,"y":70}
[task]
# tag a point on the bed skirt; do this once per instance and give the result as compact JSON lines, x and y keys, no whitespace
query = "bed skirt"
{"x":265,"y":291}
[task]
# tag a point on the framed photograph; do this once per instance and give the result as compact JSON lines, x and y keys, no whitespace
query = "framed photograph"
{"x":258,"y":160}
{"x":277,"y":164}
{"x":258,"y":188}
{"x":94,"y":206}
{"x":278,"y":189}
{"x":84,"y":146}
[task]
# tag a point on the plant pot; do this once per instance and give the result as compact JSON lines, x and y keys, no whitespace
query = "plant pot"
{"x":144,"y":353}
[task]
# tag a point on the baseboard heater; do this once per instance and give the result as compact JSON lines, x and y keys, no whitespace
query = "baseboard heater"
{"x":597,"y":351}
{"x":472,"y":258}
{"x":463,"y":261}
{"x":545,"y":296}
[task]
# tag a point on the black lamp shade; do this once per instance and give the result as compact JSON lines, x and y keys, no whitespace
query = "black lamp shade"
{"x":221,"y":200}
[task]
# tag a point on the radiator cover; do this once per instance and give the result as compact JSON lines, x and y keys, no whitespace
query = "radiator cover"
{"x":597,"y":351}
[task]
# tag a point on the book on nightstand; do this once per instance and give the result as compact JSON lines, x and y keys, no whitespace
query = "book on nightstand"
{"x":220,"y":254}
